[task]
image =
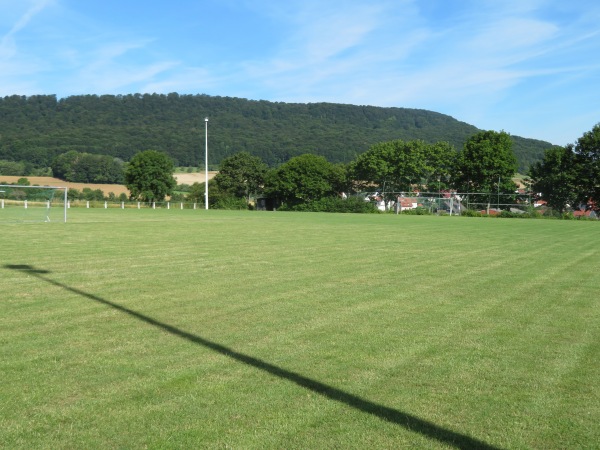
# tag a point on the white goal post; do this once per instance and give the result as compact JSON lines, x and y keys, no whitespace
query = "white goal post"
{"x":20,"y":203}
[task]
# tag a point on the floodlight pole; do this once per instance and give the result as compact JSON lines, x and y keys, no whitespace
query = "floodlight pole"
{"x":206,"y":163}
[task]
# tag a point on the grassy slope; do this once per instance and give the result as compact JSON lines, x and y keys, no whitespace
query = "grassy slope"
{"x":235,"y":329}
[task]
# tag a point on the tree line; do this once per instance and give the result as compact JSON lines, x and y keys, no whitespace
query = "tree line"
{"x":35,"y":130}
{"x":569,"y":176}
{"x":485,"y":164}
{"x":566,"y":178}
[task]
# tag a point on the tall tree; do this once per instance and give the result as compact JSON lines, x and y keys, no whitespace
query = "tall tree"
{"x":557,"y":177}
{"x":305,"y":178}
{"x":439,"y":161}
{"x":588,"y":154}
{"x":399,"y":165}
{"x":149,"y":176}
{"x":62,"y":165}
{"x":486,"y":164}
{"x":241,"y":175}
{"x":87,"y":168}
{"x":375,"y":166}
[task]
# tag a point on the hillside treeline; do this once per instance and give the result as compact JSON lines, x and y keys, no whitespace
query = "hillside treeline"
{"x":35,"y":130}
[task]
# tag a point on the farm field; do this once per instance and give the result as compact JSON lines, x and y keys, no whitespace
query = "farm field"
{"x":238,"y":329}
{"x":117,"y":189}
{"x":194,"y":177}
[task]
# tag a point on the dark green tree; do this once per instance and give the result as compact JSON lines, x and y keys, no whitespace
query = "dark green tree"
{"x":92,"y":194}
{"x":88,"y":168}
{"x":305,"y":178}
{"x":376,"y":166}
{"x":149,"y":176}
{"x":74,"y":194}
{"x":439,"y":163}
{"x":196,"y":193}
{"x":62,"y":165}
{"x":557,"y":177}
{"x":12,"y":168}
{"x":241,"y":175}
{"x":588,"y":156}
{"x":486,"y":164}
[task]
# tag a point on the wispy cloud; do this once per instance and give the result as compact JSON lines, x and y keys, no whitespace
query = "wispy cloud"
{"x":8,"y":46}
{"x":183,"y":79}
{"x":114,"y":67}
{"x":17,"y":65}
{"x":328,"y":49}
{"x":36,"y":7}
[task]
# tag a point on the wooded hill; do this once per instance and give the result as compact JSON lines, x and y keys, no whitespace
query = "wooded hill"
{"x":38,"y":128}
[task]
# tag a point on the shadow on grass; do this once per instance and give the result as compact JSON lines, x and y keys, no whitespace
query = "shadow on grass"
{"x":386,"y":413}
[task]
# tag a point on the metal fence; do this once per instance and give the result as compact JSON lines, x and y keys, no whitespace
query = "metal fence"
{"x":454,"y":203}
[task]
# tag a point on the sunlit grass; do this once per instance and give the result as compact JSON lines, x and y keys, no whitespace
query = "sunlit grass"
{"x":179,"y":329}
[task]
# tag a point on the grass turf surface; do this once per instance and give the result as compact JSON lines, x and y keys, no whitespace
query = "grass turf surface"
{"x":220,"y":329}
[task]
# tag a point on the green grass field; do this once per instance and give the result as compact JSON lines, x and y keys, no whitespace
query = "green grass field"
{"x":221,"y":329}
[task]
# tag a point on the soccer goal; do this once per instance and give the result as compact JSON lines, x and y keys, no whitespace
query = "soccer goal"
{"x":33,"y":203}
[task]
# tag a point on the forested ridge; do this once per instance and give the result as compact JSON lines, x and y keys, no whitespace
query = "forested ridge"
{"x":38,"y":128}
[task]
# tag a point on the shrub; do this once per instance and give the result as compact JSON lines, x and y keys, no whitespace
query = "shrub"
{"x":512,"y":215}
{"x":334,"y":205}
{"x":418,"y":211}
{"x":471,"y":213}
{"x":230,"y":202}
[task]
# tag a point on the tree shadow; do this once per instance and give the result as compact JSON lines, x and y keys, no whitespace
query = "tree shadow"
{"x":405,"y":420}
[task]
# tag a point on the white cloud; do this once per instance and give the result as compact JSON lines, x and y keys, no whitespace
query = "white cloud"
{"x":8,"y":45}
{"x":184,"y":80}
{"x":37,"y":6}
{"x":18,"y":65}
{"x":328,"y":50}
{"x":114,"y":68}
{"x":511,"y":37}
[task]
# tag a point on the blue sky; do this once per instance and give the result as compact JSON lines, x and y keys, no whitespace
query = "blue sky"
{"x":529,"y":67}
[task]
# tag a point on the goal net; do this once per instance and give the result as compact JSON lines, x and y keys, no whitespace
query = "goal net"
{"x":33,"y":203}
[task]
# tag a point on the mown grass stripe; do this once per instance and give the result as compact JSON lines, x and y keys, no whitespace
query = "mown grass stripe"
{"x":479,"y":331}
